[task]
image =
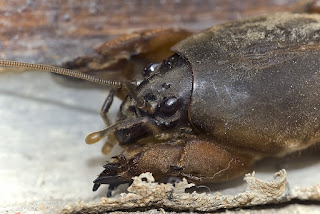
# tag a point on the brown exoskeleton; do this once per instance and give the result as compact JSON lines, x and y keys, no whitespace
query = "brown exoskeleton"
{"x":224,"y":98}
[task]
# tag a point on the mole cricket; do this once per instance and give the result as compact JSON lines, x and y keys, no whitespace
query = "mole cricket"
{"x":205,"y":106}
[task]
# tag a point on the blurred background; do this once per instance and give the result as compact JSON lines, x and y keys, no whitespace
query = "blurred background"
{"x":44,"y":162}
{"x":57,"y":30}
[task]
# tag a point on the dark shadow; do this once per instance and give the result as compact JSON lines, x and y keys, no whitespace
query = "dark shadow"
{"x":294,"y":161}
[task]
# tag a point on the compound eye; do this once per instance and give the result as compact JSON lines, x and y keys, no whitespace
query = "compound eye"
{"x":149,"y":69}
{"x":169,"y":106}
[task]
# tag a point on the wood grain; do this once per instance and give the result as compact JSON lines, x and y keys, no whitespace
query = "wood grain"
{"x":55,"y":31}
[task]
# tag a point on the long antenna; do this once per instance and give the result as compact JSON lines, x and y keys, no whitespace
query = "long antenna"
{"x":63,"y":71}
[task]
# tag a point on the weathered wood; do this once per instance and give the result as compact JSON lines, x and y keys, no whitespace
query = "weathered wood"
{"x":54,"y":31}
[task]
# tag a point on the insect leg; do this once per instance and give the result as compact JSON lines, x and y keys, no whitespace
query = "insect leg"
{"x":106,"y":106}
{"x":110,"y":174}
{"x":198,"y":161}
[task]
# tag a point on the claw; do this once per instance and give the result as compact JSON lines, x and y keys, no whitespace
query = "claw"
{"x":113,"y":181}
{"x":111,"y":175}
{"x":95,"y":186}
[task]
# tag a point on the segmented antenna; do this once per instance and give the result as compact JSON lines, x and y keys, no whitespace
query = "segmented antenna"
{"x":63,"y":71}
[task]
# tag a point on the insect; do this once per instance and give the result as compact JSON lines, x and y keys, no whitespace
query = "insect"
{"x":222,"y":99}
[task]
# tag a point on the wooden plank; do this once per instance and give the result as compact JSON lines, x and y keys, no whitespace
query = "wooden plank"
{"x":55,"y":31}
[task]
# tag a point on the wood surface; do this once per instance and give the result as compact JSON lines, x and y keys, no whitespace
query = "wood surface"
{"x":54,"y":31}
